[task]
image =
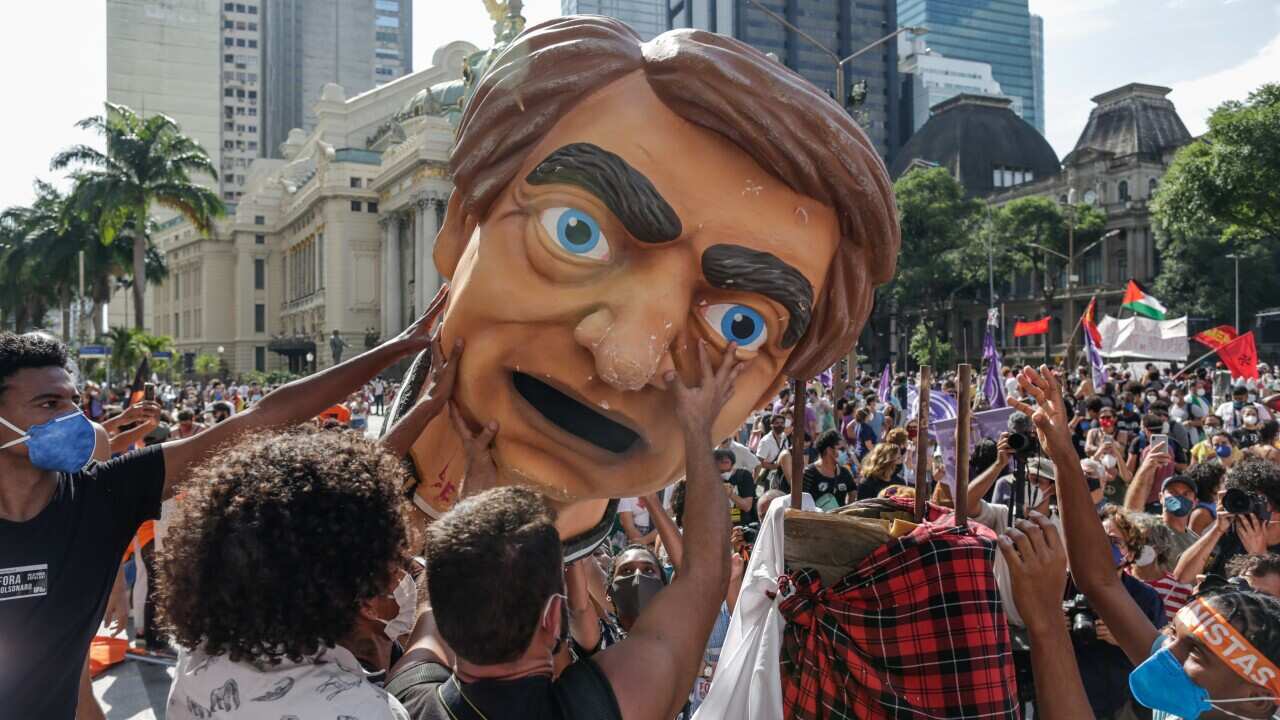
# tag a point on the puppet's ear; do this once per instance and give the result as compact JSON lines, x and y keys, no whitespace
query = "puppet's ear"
{"x":453,"y":237}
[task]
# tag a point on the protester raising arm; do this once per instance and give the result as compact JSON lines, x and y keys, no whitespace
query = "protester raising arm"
{"x":301,"y":399}
{"x":1195,"y":558}
{"x":1088,"y":548}
{"x":1135,"y":498}
{"x":979,"y":486}
{"x":666,"y":529}
{"x":1038,"y":569}
{"x":653,"y":670}
{"x":443,"y":373}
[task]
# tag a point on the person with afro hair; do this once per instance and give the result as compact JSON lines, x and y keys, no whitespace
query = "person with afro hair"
{"x":274,"y":554}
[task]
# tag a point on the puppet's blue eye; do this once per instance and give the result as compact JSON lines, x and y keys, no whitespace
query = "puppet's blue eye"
{"x":737,"y":323}
{"x":576,"y":232}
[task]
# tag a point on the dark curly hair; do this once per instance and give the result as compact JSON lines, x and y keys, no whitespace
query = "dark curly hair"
{"x":1256,"y":615}
{"x":492,"y":563}
{"x":1208,"y":478}
{"x":1256,"y":475}
{"x":278,"y":542}
{"x":1255,"y":565}
{"x":29,"y":350}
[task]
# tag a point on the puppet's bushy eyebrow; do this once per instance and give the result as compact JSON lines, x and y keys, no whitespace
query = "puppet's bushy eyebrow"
{"x":624,"y":190}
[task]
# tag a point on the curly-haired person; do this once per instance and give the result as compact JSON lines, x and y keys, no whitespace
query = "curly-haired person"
{"x":276,"y":555}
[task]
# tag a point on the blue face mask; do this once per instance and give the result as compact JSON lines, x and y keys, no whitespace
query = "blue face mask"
{"x":1160,"y":683}
{"x":842,"y":458}
{"x":63,"y":444}
{"x":1177,"y":506}
{"x":1223,"y":451}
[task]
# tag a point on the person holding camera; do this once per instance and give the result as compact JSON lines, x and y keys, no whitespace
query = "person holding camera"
{"x":1217,"y":660}
{"x":1243,"y":525}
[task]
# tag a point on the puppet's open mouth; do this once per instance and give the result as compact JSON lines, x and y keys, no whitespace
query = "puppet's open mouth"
{"x":573,"y":416}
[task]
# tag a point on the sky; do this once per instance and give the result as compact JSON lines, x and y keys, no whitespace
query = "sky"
{"x":1208,"y":51}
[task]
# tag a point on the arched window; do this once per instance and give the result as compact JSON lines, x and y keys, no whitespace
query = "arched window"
{"x":1151,"y":187}
{"x":1123,"y":189}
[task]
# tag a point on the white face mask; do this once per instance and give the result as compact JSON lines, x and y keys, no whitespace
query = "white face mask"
{"x":1146,"y":556}
{"x":725,"y":475}
{"x":1250,"y":418}
{"x":406,"y":596}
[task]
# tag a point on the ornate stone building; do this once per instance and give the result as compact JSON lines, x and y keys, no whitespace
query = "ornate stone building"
{"x":1125,"y":148}
{"x":337,"y":235}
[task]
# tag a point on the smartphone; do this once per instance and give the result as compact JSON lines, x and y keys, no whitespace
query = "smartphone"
{"x":1158,"y":439}
{"x":149,"y":392}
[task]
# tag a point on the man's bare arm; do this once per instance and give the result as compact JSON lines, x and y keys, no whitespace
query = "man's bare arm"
{"x":653,"y":669}
{"x":979,"y":486}
{"x":301,"y":399}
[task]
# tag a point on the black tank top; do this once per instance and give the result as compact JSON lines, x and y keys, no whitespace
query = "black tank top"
{"x":429,"y":691}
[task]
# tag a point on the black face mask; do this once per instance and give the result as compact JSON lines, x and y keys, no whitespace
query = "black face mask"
{"x":631,"y":593}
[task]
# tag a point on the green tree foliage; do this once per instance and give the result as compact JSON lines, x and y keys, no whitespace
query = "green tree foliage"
{"x":1033,"y":235}
{"x":207,"y":365}
{"x":938,"y":224}
{"x":1221,"y":195}
{"x":130,"y":345}
{"x":927,"y":348}
{"x":148,"y":161}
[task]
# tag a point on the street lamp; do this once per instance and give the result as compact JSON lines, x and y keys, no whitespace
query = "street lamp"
{"x":1236,"y":257}
{"x":839,"y":62}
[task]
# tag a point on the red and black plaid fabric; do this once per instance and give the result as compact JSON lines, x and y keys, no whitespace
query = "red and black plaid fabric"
{"x":916,"y":631}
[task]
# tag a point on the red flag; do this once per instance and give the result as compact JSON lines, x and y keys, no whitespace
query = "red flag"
{"x":1241,"y":356}
{"x":1215,"y":338}
{"x":1038,"y":327}
{"x":1089,"y":325}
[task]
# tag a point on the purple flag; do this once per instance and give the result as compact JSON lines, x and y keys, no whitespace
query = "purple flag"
{"x":824,"y":377}
{"x":1097,"y":369}
{"x":992,"y":384}
{"x":885,"y":386}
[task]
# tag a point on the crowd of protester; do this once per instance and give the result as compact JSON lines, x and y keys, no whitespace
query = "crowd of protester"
{"x":293,"y":580}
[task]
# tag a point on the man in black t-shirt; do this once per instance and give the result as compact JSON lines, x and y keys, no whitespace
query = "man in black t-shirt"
{"x":64,"y":526}
{"x":740,"y":488}
{"x":485,"y":647}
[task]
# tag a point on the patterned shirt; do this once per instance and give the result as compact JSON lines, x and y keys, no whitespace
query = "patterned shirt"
{"x":330,"y":685}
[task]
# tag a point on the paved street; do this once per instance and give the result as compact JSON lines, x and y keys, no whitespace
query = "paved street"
{"x":136,"y":690}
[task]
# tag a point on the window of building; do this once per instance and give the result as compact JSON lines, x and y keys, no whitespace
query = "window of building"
{"x":253,"y":94}
{"x":260,"y":358}
{"x":259,"y":220}
{"x":253,"y":43}
{"x":229,"y":7}
{"x":1151,"y":187}
{"x":239,"y":7}
{"x":259,"y":274}
{"x":355,"y":182}
{"x":253,"y":26}
{"x":228,"y":59}
{"x":253,"y":145}
{"x":355,"y":206}
{"x":1123,"y":190}
{"x":239,"y":42}
{"x":371,"y":207}
{"x":228,"y":42}
{"x":253,"y":9}
{"x":259,"y":318}
{"x":228,"y":93}
{"x":259,"y":239}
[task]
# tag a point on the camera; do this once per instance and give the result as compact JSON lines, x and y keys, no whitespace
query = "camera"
{"x":1081,"y":619}
{"x":1238,"y":502}
{"x":1022,"y":436}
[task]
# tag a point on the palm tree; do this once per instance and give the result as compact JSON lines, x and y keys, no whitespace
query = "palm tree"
{"x":23,"y":297}
{"x":148,"y":161}
{"x":57,"y":233}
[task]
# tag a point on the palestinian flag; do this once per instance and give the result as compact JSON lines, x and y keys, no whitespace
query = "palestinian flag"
{"x":1143,"y":304}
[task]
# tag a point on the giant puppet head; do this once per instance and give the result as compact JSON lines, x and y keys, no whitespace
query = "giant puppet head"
{"x":615,"y":203}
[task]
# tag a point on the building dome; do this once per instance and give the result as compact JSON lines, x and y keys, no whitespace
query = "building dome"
{"x":983,"y":144}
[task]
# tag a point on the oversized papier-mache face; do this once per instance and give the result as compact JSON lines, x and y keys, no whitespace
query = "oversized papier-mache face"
{"x":618,"y":203}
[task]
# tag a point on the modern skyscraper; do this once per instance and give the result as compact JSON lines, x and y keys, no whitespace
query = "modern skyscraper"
{"x":1037,"y":69}
{"x":165,"y":58}
{"x":997,"y":32}
{"x":237,"y":76}
{"x":355,"y":43}
{"x":842,"y":26}
{"x":647,"y":17}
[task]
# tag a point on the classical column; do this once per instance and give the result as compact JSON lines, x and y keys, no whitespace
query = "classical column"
{"x":395,"y":288}
{"x":425,"y":229}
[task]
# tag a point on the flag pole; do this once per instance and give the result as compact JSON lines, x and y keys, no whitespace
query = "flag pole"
{"x":1197,"y":361}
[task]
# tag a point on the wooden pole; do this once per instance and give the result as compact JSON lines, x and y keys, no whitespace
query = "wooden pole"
{"x":964,"y":388}
{"x":797,"y":443}
{"x":922,"y":444}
